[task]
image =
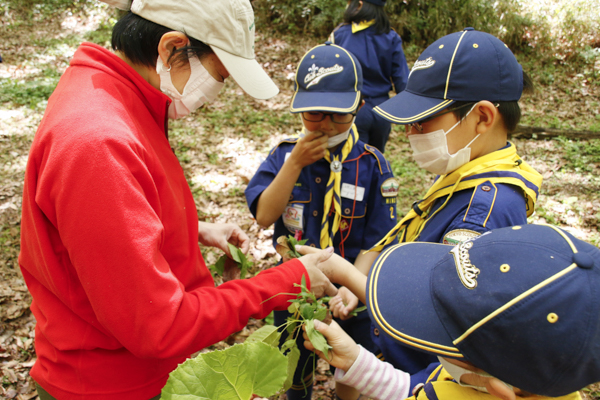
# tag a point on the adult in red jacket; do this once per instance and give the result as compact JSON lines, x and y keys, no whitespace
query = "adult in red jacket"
{"x":109,"y":245}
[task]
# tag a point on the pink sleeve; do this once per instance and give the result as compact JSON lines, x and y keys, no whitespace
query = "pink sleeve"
{"x":374,"y":378}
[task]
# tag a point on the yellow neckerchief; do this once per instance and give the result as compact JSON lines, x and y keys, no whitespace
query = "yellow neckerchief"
{"x":501,"y":166}
{"x":362,"y":25}
{"x":445,"y":388}
{"x":333,"y":189}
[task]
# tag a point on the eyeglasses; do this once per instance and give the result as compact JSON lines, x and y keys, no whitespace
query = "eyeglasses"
{"x":419,"y":125}
{"x":336,"y":118}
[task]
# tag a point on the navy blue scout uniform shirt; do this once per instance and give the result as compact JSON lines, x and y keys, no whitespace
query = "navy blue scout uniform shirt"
{"x":380,"y":56}
{"x":364,"y":221}
{"x":468,"y":213}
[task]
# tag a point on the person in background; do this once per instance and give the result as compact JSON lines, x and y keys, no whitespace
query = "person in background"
{"x":327,"y":186}
{"x":366,"y":33}
{"x":109,"y":229}
{"x":511,"y":314}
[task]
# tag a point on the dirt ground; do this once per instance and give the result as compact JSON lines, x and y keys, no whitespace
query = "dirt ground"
{"x":219,"y":159}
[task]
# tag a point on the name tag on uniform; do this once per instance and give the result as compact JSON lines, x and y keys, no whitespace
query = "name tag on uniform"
{"x":292,"y":217}
{"x":350,"y":191}
{"x":287,"y":155}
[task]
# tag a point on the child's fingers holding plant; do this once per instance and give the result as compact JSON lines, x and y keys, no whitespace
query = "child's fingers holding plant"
{"x":343,"y":304}
{"x":344,"y":350}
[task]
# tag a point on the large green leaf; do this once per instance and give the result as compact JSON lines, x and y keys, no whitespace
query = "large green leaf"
{"x":292,"y":357}
{"x":267,"y":334}
{"x":235,"y":373}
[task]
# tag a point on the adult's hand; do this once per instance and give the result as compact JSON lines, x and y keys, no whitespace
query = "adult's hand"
{"x":344,"y":350}
{"x":343,"y":304}
{"x":218,"y":235}
{"x":320,"y":284}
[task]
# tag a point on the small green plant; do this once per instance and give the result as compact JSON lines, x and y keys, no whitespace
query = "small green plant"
{"x":286,"y":246}
{"x":237,"y":256}
{"x":255,"y":367}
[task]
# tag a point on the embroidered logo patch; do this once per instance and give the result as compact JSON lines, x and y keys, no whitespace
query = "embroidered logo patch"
{"x":422,"y":64}
{"x":315,"y":74}
{"x":458,"y":236}
{"x":389,"y":188}
{"x":467,"y":272}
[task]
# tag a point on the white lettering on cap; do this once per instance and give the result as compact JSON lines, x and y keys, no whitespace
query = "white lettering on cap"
{"x":315,"y":74}
{"x":467,"y":272}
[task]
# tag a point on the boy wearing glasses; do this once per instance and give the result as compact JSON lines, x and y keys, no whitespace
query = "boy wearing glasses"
{"x":327,"y":186}
{"x":460,"y":103}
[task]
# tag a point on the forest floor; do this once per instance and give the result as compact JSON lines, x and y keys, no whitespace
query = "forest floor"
{"x":221,"y":146}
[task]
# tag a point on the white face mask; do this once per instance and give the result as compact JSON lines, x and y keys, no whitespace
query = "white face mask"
{"x":430,"y":151}
{"x":200,"y":88}
{"x":339,"y":138}
{"x":457,"y":372}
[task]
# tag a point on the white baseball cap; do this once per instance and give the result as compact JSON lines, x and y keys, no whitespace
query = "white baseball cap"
{"x":227,"y":26}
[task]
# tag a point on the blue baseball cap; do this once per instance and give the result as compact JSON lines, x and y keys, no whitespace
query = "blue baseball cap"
{"x":521,"y":303}
{"x":464,"y":66}
{"x":328,"y":78}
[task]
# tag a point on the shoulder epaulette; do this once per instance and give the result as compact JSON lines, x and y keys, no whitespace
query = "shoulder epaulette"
{"x":287,"y":140}
{"x":384,"y":165}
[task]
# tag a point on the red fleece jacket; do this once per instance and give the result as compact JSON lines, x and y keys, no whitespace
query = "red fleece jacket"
{"x":109,"y":243}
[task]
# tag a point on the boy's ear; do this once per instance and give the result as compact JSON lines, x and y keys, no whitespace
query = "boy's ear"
{"x":488,"y":116}
{"x":362,"y":103}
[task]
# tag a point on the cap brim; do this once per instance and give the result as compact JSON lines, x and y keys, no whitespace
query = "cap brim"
{"x":406,"y":108}
{"x":319,"y":101}
{"x":248,"y":74}
{"x":400,"y":300}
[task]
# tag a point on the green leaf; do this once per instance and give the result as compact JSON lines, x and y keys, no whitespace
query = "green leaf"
{"x":307,"y":311}
{"x":267,"y":334}
{"x":357,"y":310}
{"x":235,"y":253}
{"x":317,"y":338}
{"x":231,"y":374}
{"x":321,"y":313}
{"x":219,"y":266}
{"x":288,"y":345}
{"x":292,"y":357}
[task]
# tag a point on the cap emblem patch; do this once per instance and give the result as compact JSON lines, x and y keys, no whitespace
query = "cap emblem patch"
{"x":467,"y":272}
{"x":315,"y":74}
{"x":422,"y":64}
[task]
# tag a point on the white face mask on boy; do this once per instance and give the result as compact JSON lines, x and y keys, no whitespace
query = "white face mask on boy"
{"x":430,"y":150}
{"x":457,"y":372}
{"x":200,"y":88}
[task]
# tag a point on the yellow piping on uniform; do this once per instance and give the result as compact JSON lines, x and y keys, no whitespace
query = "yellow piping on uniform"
{"x":492,"y":207}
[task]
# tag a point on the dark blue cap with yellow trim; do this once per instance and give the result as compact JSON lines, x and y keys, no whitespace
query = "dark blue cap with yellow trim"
{"x":464,"y":66}
{"x":521,"y":303}
{"x":328,"y":78}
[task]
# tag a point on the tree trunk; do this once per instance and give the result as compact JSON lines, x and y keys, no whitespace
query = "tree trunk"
{"x":535,"y":132}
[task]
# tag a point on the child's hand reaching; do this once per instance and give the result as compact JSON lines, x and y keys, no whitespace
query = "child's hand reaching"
{"x":344,"y":350}
{"x":309,"y":149}
{"x":342,"y":304}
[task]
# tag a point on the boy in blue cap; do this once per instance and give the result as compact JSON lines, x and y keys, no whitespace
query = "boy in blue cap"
{"x":327,"y":186}
{"x":460,"y":103}
{"x":514,"y":313}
